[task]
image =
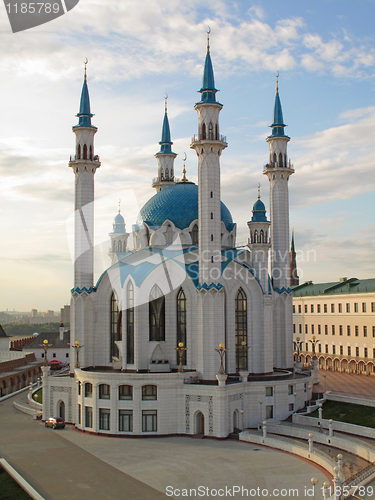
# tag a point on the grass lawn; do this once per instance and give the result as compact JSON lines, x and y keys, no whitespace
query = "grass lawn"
{"x":9,"y":489}
{"x":349,"y":413}
{"x":38,"y":396}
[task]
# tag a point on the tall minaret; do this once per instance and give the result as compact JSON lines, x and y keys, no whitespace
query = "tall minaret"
{"x":165,"y":157}
{"x":208,"y":145}
{"x":84,"y":164}
{"x":278,"y":171}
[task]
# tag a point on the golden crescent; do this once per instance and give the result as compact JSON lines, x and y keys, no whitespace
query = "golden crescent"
{"x":166,"y":96}
{"x":86,"y":60}
{"x":185,"y":157}
{"x":208,"y":31}
{"x":277,"y":76}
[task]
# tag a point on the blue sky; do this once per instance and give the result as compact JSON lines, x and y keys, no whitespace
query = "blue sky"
{"x":138,"y":51}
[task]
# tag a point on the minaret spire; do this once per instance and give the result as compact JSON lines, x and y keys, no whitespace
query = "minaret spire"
{"x":294,"y":278}
{"x":165,"y":156}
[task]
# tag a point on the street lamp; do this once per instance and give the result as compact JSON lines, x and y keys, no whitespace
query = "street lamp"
{"x":314,"y":342}
{"x":45,"y":346}
{"x":298,"y":344}
{"x":77,"y":346}
{"x":325,"y":382}
{"x":221,"y":352}
{"x":180,"y":349}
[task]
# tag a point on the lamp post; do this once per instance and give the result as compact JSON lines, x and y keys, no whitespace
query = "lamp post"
{"x":45,"y":346}
{"x":180,"y":349}
{"x":314,"y":361}
{"x":314,"y":342}
{"x":325,"y":382}
{"x":298,"y":344}
{"x":221,"y":352}
{"x":326,"y":487}
{"x":77,"y":346}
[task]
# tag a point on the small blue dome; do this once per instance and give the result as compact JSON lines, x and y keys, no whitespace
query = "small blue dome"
{"x":119,"y":224}
{"x":259,"y":212}
{"x":179,"y":204}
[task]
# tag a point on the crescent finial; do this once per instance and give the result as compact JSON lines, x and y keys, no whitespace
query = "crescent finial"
{"x":184,"y":170}
{"x":208,"y":39}
{"x":119,"y":203}
{"x":277,"y":82}
{"x":185,"y":157}
{"x":166,"y":97}
{"x":85,"y":61}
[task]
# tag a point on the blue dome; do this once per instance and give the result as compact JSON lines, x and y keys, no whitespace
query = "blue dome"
{"x":119,"y":219}
{"x":179,"y":204}
{"x":119,"y":224}
{"x":259,"y":212}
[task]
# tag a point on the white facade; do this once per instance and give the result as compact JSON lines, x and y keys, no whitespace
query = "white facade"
{"x":185,"y":285}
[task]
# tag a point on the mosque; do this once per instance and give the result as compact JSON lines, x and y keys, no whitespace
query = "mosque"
{"x":186,"y":333}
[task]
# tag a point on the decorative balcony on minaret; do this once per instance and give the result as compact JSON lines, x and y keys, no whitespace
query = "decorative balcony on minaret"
{"x":208,"y":145}
{"x":165,"y":157}
{"x":84,"y":164}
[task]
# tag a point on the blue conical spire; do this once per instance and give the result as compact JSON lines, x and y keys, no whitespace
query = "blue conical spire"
{"x":208,"y":90}
{"x":84,"y":113}
{"x":165,"y":143}
{"x":278,"y":124}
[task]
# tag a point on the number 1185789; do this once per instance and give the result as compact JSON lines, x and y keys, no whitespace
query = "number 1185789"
{"x":33,"y":8}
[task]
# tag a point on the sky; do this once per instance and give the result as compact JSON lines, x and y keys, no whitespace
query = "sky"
{"x":138,"y":51}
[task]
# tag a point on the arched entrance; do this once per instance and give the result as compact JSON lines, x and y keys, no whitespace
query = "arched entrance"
{"x":199,"y":423}
{"x":61,"y":410}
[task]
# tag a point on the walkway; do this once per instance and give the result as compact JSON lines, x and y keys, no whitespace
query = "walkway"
{"x":68,"y":465}
{"x":346,"y":382}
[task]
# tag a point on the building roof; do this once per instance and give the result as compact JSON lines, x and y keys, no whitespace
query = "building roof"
{"x":53,"y":339}
{"x":208,"y":90}
{"x":259,"y":212}
{"x":341,"y":287}
{"x":179,"y":204}
{"x":2,"y":333}
{"x":165,"y":143}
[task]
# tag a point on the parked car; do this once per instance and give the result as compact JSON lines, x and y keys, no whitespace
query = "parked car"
{"x":55,"y":423}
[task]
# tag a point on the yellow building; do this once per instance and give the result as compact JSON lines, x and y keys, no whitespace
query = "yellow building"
{"x":340,"y":317}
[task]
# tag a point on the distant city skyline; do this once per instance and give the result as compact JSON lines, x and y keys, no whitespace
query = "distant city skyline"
{"x":138,"y":52}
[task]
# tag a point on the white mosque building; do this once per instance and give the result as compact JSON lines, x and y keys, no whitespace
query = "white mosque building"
{"x":151,"y":332}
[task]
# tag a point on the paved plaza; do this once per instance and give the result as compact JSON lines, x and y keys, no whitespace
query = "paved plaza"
{"x":350,"y":383}
{"x":69,"y":465}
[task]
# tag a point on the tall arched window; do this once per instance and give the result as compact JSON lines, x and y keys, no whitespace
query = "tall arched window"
{"x":90,"y":152}
{"x":157,"y":314}
{"x":194,"y":235}
{"x":280,"y":160}
{"x":84,"y":152}
{"x":241,"y":330}
{"x":216,"y":132}
{"x":203,"y":131}
{"x":274,"y":158}
{"x":210,"y":131}
{"x":130,"y":324}
{"x":181,"y":323}
{"x":79,"y":152}
{"x":116,"y":326}
{"x":166,"y":174}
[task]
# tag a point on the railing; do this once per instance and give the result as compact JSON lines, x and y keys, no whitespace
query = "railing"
{"x":74,"y":158}
{"x":276,"y":165}
{"x":169,"y":179}
{"x":356,"y":479}
{"x":209,"y":137}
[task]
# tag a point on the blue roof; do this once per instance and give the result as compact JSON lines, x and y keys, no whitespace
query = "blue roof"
{"x":119,"y":224}
{"x":179,"y":204}
{"x":278,"y":124}
{"x":84,"y":114}
{"x":165,"y":143}
{"x":208,"y":90}
{"x":259,"y":212}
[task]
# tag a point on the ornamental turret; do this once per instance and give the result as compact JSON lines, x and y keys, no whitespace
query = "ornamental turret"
{"x":259,"y":242}
{"x":165,"y":157}
{"x":294,"y":278}
{"x":84,"y":164}
{"x":118,"y":237}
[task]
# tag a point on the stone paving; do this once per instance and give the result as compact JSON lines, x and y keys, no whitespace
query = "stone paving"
{"x":69,"y":465}
{"x":350,"y":383}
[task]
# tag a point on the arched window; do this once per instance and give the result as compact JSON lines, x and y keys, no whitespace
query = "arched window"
{"x":255,"y":236}
{"x":212,"y":237}
{"x":149,"y":392}
{"x":161,"y":174}
{"x":156,"y":314}
{"x":261,"y":236}
{"x":90,"y":152}
{"x":88,"y":390}
{"x":216,"y":132}
{"x":85,"y":152}
{"x":130,"y":324}
{"x":280,"y":160}
{"x":212,"y":215}
{"x":274,"y":158}
{"x":79,"y":152}
{"x":210,"y":131}
{"x":166,"y":174}
{"x":116,"y":326}
{"x":194,"y":235}
{"x":241,"y":330}
{"x":181,"y":323}
{"x":212,"y":194}
{"x":203,"y":131}
{"x":125,"y":392}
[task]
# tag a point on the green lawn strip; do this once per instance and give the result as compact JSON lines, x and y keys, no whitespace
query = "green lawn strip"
{"x":9,"y":489}
{"x":38,"y":396}
{"x":348,"y":413}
